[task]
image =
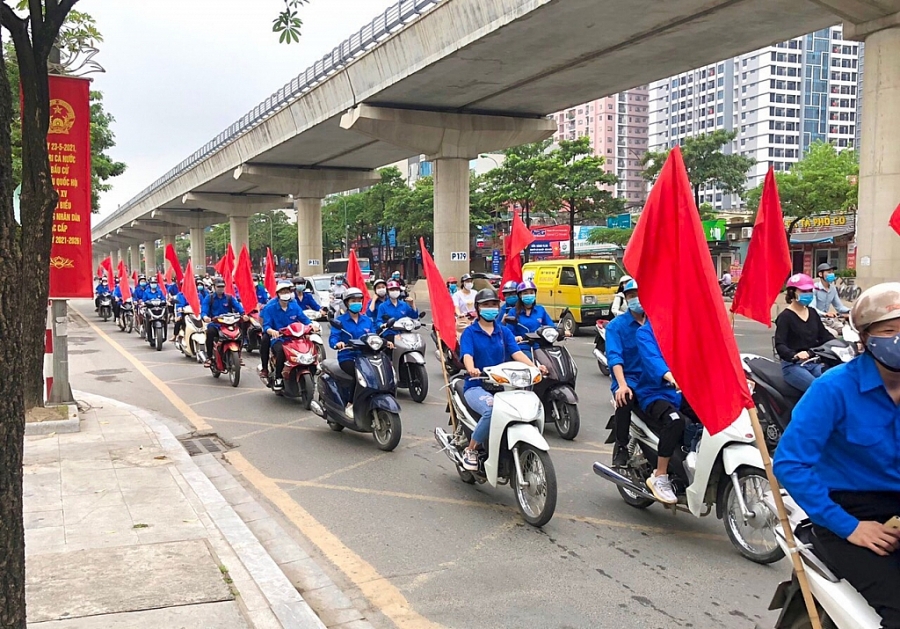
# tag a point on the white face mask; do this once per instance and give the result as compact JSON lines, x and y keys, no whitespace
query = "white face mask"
{"x":468,"y":285}
{"x":394,"y":294}
{"x":380,"y":292}
{"x":285,"y":296}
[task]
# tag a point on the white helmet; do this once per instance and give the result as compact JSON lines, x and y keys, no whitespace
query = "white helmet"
{"x":282,"y":284}
{"x":352,"y":293}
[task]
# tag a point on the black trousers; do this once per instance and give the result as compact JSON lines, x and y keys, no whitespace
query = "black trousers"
{"x":116,"y":306}
{"x":672,"y":420}
{"x":623,"y":422}
{"x":278,"y":350}
{"x":212,"y":334}
{"x":265,"y":343}
{"x":179,"y":325}
{"x":876,"y":578}
{"x":349,"y":367}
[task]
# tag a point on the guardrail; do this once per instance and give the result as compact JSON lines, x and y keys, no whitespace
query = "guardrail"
{"x":360,"y":42}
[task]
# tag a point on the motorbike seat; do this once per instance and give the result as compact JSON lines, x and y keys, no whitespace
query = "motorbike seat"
{"x":333,"y":367}
{"x":805,"y":534}
{"x":769,"y":372}
{"x":459,"y":387}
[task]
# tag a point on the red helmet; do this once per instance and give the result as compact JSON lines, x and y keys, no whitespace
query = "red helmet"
{"x":393,"y":284}
{"x":451,"y":280}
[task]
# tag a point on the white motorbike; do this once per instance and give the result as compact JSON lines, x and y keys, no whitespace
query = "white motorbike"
{"x":408,"y":357}
{"x":840,"y":605}
{"x":724,"y":471}
{"x":517,"y":452}
{"x":191,"y":341}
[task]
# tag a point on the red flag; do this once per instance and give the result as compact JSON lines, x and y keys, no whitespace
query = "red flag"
{"x":162,"y":284}
{"x":768,"y":259}
{"x":124,"y":288}
{"x":134,"y":276}
{"x":355,"y":277}
{"x":270,"y":273}
{"x":172,"y":257}
{"x":895,"y":220}
{"x":189,"y":289}
{"x":121,"y":270}
{"x":107,"y":264}
{"x":243,"y":278}
{"x":443,"y":312}
{"x":520,"y":237}
{"x":678,"y":289}
{"x":228,"y":271}
{"x":169,"y":274}
{"x":220,"y":265}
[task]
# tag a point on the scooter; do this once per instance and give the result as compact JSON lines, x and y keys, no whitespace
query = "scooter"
{"x":301,"y":356}
{"x":374,"y":408}
{"x":840,"y":605}
{"x":600,"y":346}
{"x":226,"y":357}
{"x":126,"y":316}
{"x":139,"y":320}
{"x":254,"y":332}
{"x":105,"y":307}
{"x":517,"y":452}
{"x":192,"y":340}
{"x":155,"y":322}
{"x":724,"y":471}
{"x":408,"y":359}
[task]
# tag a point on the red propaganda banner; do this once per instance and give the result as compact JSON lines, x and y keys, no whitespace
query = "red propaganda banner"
{"x":69,"y":146}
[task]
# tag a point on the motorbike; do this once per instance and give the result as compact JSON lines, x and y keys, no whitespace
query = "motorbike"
{"x":728,"y":290}
{"x":139,"y":322}
{"x":254,"y":332}
{"x":373,"y":407}
{"x":774,"y":398}
{"x":155,"y":322}
{"x":301,"y":354}
{"x":840,"y":605}
{"x":517,"y":452}
{"x":723,"y":471}
{"x":105,"y":307}
{"x":192,"y":340}
{"x":600,"y":346}
{"x":126,"y":316}
{"x":408,"y":359}
{"x":226,"y":357}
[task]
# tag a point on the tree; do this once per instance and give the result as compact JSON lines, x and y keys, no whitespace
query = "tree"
{"x":521,"y":179}
{"x":24,"y":253}
{"x":576,"y":175}
{"x":707,"y":165}
{"x":825,"y":180}
{"x":103,"y":167}
{"x":615,"y":236}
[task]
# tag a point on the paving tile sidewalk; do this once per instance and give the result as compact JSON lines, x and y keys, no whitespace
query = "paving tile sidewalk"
{"x":123,"y":529}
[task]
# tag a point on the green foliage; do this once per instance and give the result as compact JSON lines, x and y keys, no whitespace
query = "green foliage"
{"x":103,"y":167}
{"x":287,"y":23}
{"x":707,"y":212}
{"x":268,"y":229}
{"x":824,"y":181}
{"x":411,"y":211}
{"x":522,"y":178}
{"x":603,"y":235}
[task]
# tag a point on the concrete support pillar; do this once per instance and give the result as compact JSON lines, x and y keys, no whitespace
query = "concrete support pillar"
{"x":150,"y":257}
{"x":309,"y":235}
{"x":114,"y":257}
{"x":878,"y":247}
{"x":240,"y":232}
{"x":135,"y":258}
{"x":198,"y":250}
{"x":451,"y":216}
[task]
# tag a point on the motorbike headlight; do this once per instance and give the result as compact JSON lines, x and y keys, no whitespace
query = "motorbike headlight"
{"x":306,"y":358}
{"x":519,"y":378}
{"x":550,"y":334}
{"x":375,"y":342}
{"x":405,"y":324}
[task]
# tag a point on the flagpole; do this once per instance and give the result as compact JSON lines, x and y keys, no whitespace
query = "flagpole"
{"x":446,"y":379}
{"x":793,"y":551}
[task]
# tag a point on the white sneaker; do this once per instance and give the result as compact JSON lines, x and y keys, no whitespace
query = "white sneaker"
{"x":470,"y":460}
{"x":349,"y":411}
{"x":661,"y":487}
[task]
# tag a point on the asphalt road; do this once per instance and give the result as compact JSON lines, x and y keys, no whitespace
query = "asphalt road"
{"x":416,"y":546}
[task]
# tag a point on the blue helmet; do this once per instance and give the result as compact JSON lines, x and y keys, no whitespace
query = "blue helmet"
{"x":526,"y":285}
{"x":630,"y":285}
{"x":509,"y":287}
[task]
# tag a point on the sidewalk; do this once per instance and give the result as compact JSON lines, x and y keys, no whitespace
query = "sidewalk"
{"x":123,"y":528}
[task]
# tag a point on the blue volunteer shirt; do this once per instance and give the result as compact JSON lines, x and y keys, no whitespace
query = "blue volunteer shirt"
{"x":307,"y":302}
{"x":487,"y":350}
{"x":352,"y":330}
{"x":102,"y":289}
{"x":844,"y":435}
{"x":527,"y":322}
{"x":262,"y":295}
{"x":138,"y":293}
{"x":651,"y":386}
{"x":180,"y":302}
{"x":276,"y":318}
{"x":622,"y":349}
{"x":388,"y":311}
{"x":148,"y":294}
{"x":215,"y":306}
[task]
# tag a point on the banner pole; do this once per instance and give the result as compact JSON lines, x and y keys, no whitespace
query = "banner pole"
{"x":793,"y":551}
{"x":446,"y":379}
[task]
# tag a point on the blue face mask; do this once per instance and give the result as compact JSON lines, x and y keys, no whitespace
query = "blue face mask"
{"x":634,"y":305}
{"x":489,"y":314}
{"x":453,"y":288}
{"x":511,"y":300}
{"x":805,"y":298}
{"x":143,"y":283}
{"x":830,"y":278}
{"x":885,"y":350}
{"x":529,"y":300}
{"x":355,"y":307}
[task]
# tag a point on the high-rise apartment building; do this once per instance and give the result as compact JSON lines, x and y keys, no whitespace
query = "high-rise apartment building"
{"x":618,"y":128}
{"x":780,"y":99}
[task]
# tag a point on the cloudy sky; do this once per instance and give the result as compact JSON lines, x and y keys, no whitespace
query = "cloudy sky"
{"x":180,"y":71}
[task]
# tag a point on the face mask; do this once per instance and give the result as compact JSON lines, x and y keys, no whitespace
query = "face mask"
{"x":395,"y":276}
{"x":394,"y":294}
{"x":355,"y":307}
{"x":153,"y":286}
{"x":830,"y":278}
{"x":143,"y":283}
{"x":104,"y":284}
{"x":380,"y":292}
{"x":634,"y":305}
{"x":285,"y":296}
{"x":529,"y":300}
{"x":453,"y":288}
{"x":805,"y":298}
{"x":885,"y":350}
{"x":339,"y":283}
{"x":489,"y":314}
{"x":468,"y":285}
{"x":511,"y":300}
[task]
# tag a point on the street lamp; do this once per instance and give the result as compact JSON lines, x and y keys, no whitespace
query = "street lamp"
{"x":346,"y":228}
{"x":490,"y":157}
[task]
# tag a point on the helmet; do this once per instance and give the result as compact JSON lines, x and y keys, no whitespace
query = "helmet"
{"x":393,"y":284}
{"x":800,"y":281}
{"x":353,"y":293}
{"x":824,"y":267}
{"x":625,"y":278}
{"x":339,"y":276}
{"x":377,"y":282}
{"x":219,"y":282}
{"x":527,"y":285}
{"x":485,"y":295}
{"x":509,"y":287}
{"x":300,"y":279}
{"x":256,"y":277}
{"x":630,"y":284}
{"x":466,"y":277}
{"x":451,"y":280}
{"x":879,"y":303}
{"x":282,"y":284}
{"x":395,"y":275}
{"x":142,"y":277}
{"x":296,"y":281}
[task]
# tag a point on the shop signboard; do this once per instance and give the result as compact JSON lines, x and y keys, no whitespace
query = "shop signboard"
{"x":622,"y":221}
{"x":714,"y":230}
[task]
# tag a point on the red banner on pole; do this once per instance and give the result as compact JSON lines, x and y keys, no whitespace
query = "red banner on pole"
{"x":69,"y":147}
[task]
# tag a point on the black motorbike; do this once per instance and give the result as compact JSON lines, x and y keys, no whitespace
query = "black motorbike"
{"x":155,"y":314}
{"x":774,"y":398}
{"x":126,"y":316}
{"x":372,"y":391}
{"x":105,"y":307}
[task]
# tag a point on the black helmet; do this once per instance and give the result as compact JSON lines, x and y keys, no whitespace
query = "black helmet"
{"x":485,"y":295}
{"x":256,"y":277}
{"x":824,"y":267}
{"x":466,"y":277}
{"x":298,"y":280}
{"x":219,"y":282}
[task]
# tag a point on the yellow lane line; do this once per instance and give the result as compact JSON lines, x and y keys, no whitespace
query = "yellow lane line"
{"x":189,"y":414}
{"x":224,"y":397}
{"x":380,"y":592}
{"x":262,"y":430}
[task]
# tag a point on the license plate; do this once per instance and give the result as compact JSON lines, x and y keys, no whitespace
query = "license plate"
{"x":605,"y":311}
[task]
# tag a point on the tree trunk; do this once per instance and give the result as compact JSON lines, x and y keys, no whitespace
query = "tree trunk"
{"x":571,"y":229}
{"x":697,"y":196}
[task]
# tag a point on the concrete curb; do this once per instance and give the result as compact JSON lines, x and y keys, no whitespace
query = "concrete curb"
{"x":267,"y":596}
{"x":72,"y":424}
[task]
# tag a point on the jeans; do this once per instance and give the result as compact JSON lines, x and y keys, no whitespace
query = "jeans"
{"x":481,"y":402}
{"x":800,"y":376}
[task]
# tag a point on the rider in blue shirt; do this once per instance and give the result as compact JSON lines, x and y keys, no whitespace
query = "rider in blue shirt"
{"x":276,"y":315}
{"x":355,"y":325}
{"x":152,"y":291}
{"x":379,"y":286}
{"x":304,"y":296}
{"x":138,"y":293}
{"x":202,"y":293}
{"x":394,"y":309}
{"x":101,"y":289}
{"x":216,"y":305}
{"x":510,"y":299}
{"x":262,"y":295}
{"x":526,"y":316}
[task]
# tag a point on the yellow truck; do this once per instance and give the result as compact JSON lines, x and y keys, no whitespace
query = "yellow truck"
{"x":580,"y":291}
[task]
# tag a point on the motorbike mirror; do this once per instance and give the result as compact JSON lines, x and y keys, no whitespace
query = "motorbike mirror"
{"x":510,"y":319}
{"x":335,"y":324}
{"x":422,"y":314}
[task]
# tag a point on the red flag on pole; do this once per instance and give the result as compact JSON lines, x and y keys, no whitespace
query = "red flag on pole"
{"x":443,"y":312}
{"x":220,"y":265}
{"x":228,"y":271}
{"x":270,"y":273}
{"x":677,"y":286}
{"x":895,"y":220}
{"x":189,"y":288}
{"x":172,"y":257}
{"x":121,"y":270}
{"x":107,"y":265}
{"x":355,"y":277}
{"x":169,"y":274}
{"x":162,"y":284}
{"x":768,"y":259}
{"x":134,"y":277}
{"x":124,"y":288}
{"x":243,"y":278}
{"x":520,"y":237}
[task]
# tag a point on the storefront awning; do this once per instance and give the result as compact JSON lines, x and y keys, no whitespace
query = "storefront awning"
{"x":816,"y":237}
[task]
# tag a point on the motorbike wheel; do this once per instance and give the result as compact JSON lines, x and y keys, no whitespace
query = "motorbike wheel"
{"x":142,"y":331}
{"x":537,"y":501}
{"x":307,"y":388}
{"x":418,"y":382}
{"x":569,"y":324}
{"x":632,"y":499}
{"x":755,"y":539}
{"x":160,"y":337}
{"x":234,"y":368}
{"x":465,"y":476}
{"x":336,"y":427}
{"x":567,"y":418}
{"x":386,"y":429}
{"x":105,"y":316}
{"x":603,"y":368}
{"x":130,"y":324}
